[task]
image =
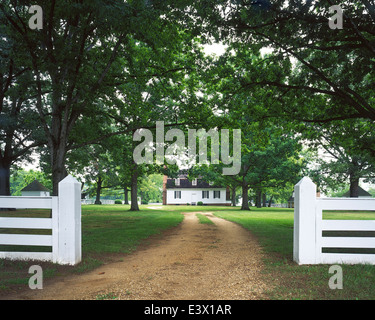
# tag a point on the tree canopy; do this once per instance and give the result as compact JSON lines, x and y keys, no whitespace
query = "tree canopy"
{"x":76,"y":89}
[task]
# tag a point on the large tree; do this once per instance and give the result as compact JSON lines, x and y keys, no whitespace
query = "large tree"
{"x":334,"y":63}
{"x":341,"y":159}
{"x":75,"y":58}
{"x":162,"y":85}
{"x":70,"y":56}
{"x":19,"y":126}
{"x":308,"y":73}
{"x":273,"y":164}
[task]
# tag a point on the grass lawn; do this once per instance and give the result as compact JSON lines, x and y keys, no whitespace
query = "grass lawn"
{"x":203,"y":219}
{"x":274,"y":230}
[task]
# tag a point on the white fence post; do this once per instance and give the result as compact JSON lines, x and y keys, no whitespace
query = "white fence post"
{"x":304,"y":244}
{"x":55,"y":229}
{"x":69,"y":220}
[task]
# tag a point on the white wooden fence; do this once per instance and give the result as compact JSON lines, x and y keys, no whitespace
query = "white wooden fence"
{"x":92,"y":201}
{"x":65,"y":224}
{"x":309,"y":226}
{"x":87,"y":201}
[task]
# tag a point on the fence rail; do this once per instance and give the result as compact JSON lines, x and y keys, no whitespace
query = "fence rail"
{"x":26,"y":202}
{"x":26,"y":223}
{"x":65,"y":224}
{"x":348,"y":225}
{"x":310,"y":245}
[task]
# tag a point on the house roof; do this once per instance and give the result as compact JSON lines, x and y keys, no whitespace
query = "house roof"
{"x":35,"y":186}
{"x":186,"y":183}
{"x":361,"y":193}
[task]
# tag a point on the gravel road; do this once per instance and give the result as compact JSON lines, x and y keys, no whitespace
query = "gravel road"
{"x":193,"y":261}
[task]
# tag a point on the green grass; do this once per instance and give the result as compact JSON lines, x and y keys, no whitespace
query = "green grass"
{"x":107,"y":296}
{"x":111,"y":229}
{"x":203,"y":219}
{"x":348,"y":215}
{"x":287,"y":280}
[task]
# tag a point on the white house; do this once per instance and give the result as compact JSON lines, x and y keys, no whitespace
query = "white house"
{"x":35,"y":189}
{"x":183,"y":191}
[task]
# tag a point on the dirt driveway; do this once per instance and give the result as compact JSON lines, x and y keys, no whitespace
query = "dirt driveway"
{"x":194,"y":261}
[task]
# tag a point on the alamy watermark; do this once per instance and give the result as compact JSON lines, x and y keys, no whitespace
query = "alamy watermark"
{"x":144,"y":152}
{"x":36,"y":280}
{"x":336,"y":21}
{"x":335,"y":282}
{"x":36,"y":20}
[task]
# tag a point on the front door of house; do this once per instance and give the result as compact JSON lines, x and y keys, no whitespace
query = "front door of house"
{"x":194,"y":198}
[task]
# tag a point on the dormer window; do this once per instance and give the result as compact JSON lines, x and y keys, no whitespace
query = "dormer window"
{"x":177,"y":181}
{"x":210,"y":183}
{"x":194,"y":182}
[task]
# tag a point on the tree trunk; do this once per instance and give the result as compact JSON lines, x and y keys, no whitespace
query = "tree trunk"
{"x":245,"y":197}
{"x":233,"y":196}
{"x":270,"y":202}
{"x":354,"y":186}
{"x":264,"y":199}
{"x":98,"y":190}
{"x":4,"y":179}
{"x":126,"y":195}
{"x":134,"y":190}
{"x":259,"y":199}
{"x":5,"y":182}
{"x":58,"y":152}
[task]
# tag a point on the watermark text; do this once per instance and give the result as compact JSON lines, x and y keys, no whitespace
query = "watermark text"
{"x":144,"y":152}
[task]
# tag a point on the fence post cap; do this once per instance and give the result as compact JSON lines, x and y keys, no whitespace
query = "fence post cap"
{"x":69,"y":179}
{"x":305,"y":181}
